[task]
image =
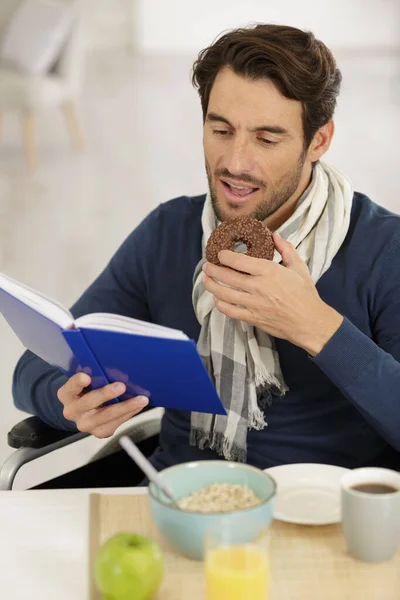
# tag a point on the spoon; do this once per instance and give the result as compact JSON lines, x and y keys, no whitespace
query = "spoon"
{"x":139,"y":458}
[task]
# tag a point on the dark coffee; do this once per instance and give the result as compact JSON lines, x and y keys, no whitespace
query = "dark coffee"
{"x":374,"y":488}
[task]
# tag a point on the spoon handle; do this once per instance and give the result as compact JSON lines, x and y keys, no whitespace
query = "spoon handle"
{"x":136,"y":455}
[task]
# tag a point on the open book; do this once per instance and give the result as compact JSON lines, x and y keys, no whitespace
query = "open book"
{"x":155,"y":361}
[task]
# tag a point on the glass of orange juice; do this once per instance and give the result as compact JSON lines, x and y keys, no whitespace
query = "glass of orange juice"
{"x":236,"y":561}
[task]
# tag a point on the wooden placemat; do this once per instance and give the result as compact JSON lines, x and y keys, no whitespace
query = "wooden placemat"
{"x":110,"y":514}
{"x":307,"y":563}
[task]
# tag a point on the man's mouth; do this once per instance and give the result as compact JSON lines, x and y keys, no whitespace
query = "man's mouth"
{"x":242,"y":191}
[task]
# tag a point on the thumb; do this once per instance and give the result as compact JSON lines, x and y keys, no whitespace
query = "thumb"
{"x":290,"y":257}
{"x":78,"y":382}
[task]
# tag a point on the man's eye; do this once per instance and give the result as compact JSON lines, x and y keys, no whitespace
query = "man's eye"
{"x":220,"y":132}
{"x":266,"y":142}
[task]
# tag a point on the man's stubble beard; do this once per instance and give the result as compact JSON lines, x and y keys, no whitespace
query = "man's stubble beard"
{"x":284,"y":189}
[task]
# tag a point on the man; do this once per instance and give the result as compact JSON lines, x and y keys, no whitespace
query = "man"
{"x":304,"y":350}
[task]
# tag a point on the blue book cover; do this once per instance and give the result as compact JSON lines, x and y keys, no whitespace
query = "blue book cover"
{"x":158,"y":362}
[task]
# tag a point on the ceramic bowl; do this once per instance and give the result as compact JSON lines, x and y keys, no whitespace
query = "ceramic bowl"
{"x":185,"y":530}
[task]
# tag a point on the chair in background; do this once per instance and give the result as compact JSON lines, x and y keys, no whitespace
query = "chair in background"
{"x":29,"y":94}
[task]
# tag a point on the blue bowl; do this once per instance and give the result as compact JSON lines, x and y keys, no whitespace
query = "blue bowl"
{"x":185,"y":530}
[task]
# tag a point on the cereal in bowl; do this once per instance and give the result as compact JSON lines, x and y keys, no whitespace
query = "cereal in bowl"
{"x":220,"y":497}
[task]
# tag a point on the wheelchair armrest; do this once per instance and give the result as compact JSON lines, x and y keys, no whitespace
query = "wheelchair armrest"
{"x":34,"y":433}
{"x":33,"y":438}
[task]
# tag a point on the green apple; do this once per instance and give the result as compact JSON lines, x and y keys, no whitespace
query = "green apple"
{"x":129,"y":566}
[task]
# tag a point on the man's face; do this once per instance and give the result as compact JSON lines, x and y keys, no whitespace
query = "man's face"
{"x":254,"y":147}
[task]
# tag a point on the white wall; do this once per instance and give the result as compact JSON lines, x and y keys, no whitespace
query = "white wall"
{"x":186,"y":26}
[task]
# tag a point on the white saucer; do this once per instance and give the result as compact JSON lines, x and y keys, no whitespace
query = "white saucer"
{"x":307,"y":494}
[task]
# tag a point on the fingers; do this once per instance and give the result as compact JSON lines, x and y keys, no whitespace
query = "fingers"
{"x":242,"y":262}
{"x":108,"y":429}
{"x":227,"y":276}
{"x":96,"y":398}
{"x":75,"y":404}
{"x":76,"y":384}
{"x":238,"y":313}
{"x":106,"y":420}
{"x":285,"y":249}
{"x":290,"y":257}
{"x":226,"y":294}
{"x":88,"y":412}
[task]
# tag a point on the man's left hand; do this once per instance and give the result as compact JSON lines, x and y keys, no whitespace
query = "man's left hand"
{"x":282,"y":300}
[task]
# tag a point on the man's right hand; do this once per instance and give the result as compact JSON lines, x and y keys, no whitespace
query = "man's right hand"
{"x":86,"y":410}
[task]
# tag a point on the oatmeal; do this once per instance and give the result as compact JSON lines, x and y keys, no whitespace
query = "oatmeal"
{"x":220,"y":497}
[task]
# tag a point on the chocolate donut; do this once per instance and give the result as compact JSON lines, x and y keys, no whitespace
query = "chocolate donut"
{"x":253,"y":233}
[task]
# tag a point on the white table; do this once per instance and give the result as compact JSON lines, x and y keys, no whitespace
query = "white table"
{"x":44,"y":543}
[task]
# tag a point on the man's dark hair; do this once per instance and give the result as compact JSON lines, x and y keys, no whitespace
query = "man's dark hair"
{"x":300,"y":66}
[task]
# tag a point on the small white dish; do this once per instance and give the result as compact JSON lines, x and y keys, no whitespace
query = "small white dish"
{"x":307,"y":494}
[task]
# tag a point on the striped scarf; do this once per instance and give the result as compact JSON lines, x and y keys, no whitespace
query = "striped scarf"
{"x":242,"y":360}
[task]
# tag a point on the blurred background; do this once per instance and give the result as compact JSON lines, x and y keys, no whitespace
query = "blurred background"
{"x":99,"y":124}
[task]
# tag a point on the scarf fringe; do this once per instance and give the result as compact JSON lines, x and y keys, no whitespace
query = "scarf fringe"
{"x":264,"y":378}
{"x":256,"y":419}
{"x":216,"y":440}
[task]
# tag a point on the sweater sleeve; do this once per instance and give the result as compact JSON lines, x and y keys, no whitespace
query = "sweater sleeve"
{"x":121,"y":289}
{"x":367,"y":370}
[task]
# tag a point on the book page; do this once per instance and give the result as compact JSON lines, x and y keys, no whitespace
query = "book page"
{"x":123,"y":324}
{"x":42,"y":304}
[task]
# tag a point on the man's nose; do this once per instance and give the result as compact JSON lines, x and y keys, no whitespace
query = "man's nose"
{"x":240,"y":157}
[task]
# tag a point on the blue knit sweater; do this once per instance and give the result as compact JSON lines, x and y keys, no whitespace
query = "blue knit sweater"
{"x":343,"y":406}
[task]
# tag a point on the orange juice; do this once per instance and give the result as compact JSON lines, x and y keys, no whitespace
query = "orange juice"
{"x":237,"y":573}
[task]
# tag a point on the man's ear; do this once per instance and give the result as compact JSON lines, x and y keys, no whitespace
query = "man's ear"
{"x":321,"y":141}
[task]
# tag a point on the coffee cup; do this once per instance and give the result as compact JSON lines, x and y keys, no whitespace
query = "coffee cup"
{"x":370,"y":500}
